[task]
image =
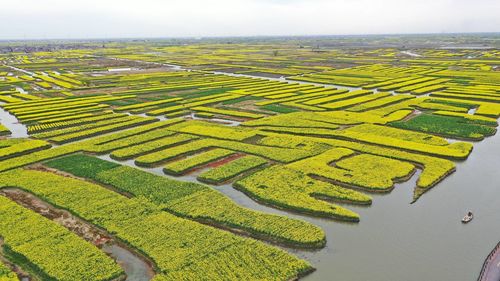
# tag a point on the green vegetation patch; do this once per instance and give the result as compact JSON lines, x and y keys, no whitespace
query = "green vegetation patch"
{"x":6,"y":274}
{"x":242,"y":99}
{"x":450,"y":126}
{"x":192,"y":200}
{"x":200,"y":94}
{"x":181,"y":166}
{"x":81,"y":165}
{"x":137,"y":182}
{"x":279,"y":108}
{"x":54,"y":252}
{"x":453,"y":103}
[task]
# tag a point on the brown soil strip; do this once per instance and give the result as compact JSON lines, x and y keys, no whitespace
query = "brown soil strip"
{"x":21,"y":274}
{"x":89,"y":232}
{"x":62,"y":217}
{"x":206,"y":221}
{"x":224,"y":160}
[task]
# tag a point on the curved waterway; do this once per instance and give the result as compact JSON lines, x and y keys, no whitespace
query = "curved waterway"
{"x":135,"y":268}
{"x":426,"y":240}
{"x":17,"y":129}
{"x":396,"y":240}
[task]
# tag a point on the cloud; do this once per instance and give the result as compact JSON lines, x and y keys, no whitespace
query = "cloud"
{"x":173,"y":18}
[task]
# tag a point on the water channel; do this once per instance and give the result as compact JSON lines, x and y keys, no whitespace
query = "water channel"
{"x":396,"y":240}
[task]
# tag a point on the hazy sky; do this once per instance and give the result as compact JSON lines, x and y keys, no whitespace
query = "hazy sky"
{"x":45,"y":19}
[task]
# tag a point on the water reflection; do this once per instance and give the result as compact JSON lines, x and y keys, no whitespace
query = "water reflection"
{"x":17,"y":129}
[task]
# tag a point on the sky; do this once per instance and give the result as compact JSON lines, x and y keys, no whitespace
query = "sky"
{"x":49,"y":19}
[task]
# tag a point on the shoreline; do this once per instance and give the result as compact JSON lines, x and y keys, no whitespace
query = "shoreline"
{"x":491,"y":266}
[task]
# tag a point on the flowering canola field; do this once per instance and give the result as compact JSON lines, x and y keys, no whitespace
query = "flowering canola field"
{"x":145,"y":155}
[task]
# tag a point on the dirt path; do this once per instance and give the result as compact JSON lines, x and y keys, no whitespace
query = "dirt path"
{"x":135,"y":268}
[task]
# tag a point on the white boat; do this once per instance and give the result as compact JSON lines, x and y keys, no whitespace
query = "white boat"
{"x":468,"y":217}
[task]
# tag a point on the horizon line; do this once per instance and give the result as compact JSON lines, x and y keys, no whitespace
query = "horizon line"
{"x":244,"y":36}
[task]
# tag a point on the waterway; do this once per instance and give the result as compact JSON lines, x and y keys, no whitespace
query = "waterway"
{"x":135,"y":268}
{"x":17,"y":129}
{"x":396,"y":240}
{"x":411,"y":54}
{"x":426,"y":240}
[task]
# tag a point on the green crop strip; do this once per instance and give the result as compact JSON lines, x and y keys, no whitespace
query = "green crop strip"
{"x":6,"y":274}
{"x":231,"y":169}
{"x":448,"y":126}
{"x":191,"y":200}
{"x":55,"y":252}
{"x":176,"y":245}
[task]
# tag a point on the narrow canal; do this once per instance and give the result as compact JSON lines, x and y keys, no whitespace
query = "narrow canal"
{"x":17,"y":129}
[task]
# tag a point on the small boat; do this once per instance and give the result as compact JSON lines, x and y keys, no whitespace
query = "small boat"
{"x":468,"y":217}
